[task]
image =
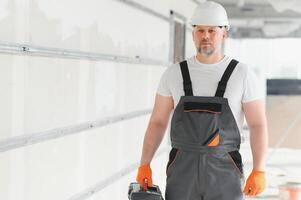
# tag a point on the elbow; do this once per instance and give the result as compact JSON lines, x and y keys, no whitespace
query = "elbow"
{"x":259,"y":128}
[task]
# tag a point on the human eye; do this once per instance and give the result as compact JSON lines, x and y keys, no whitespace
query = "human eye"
{"x":211,"y":31}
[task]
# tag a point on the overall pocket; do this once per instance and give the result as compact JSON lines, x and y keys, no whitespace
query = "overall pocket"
{"x":213,"y":140}
{"x":200,"y":120}
{"x":235,"y":157}
{"x":214,"y":108}
{"x":173,"y":154}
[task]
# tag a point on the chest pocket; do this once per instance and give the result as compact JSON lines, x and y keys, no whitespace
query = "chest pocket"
{"x":200,"y":119}
{"x":214,"y":108}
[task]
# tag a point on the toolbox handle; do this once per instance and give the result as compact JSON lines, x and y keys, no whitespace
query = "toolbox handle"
{"x":145,"y":184}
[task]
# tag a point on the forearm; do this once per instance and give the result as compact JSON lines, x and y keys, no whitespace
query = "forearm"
{"x":259,"y":146}
{"x":152,"y":139}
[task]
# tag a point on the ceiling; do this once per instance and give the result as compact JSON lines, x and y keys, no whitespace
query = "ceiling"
{"x":263,"y":18}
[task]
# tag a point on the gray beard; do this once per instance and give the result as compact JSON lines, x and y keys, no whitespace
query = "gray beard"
{"x":206,"y":52}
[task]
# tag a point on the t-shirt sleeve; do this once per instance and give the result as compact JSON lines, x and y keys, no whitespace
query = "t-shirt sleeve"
{"x":253,"y":87}
{"x":163,"y":87}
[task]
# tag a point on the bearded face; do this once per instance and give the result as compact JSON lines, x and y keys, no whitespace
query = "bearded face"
{"x":208,"y":39}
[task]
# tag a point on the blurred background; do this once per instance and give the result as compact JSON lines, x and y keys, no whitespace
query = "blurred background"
{"x":78,"y":81}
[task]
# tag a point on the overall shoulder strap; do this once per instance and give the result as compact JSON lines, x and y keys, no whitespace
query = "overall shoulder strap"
{"x":186,"y":78}
{"x":222,"y":84}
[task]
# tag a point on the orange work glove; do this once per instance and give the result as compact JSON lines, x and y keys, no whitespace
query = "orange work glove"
{"x":144,"y":172}
{"x":255,"y":183}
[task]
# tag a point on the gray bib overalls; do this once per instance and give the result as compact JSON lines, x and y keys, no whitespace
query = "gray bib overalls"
{"x":204,"y":162}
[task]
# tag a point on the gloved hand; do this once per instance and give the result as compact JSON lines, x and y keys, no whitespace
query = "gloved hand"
{"x":144,"y":172}
{"x":255,"y":183}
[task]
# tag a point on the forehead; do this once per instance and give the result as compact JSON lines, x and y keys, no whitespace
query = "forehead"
{"x":205,"y":27}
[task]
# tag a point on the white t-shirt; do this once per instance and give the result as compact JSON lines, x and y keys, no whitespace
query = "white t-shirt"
{"x":243,"y":85}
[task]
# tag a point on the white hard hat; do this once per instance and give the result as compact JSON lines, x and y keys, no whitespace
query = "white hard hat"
{"x":210,"y":13}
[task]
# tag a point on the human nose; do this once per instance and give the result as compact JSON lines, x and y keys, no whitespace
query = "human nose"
{"x":205,"y":35}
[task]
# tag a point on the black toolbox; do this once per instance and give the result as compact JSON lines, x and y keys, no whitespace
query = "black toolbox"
{"x":136,"y":192}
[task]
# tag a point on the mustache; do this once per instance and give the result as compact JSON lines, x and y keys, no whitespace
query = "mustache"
{"x":205,"y":41}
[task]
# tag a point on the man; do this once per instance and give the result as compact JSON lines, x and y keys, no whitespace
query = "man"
{"x":212,"y":93}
